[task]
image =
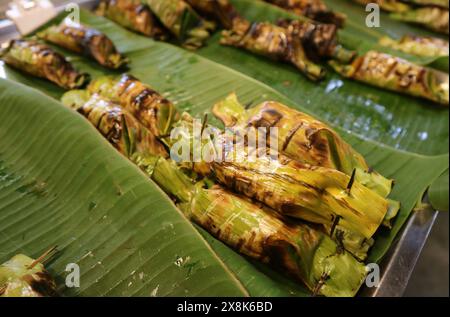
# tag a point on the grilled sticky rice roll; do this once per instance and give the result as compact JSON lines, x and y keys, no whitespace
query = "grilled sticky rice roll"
{"x":303,"y":138}
{"x":39,"y":60}
{"x":133,"y":15}
{"x":433,"y":18}
{"x":81,"y":39}
{"x":150,"y":108}
{"x":274,"y":42}
{"x":296,"y":249}
{"x":220,"y":10}
{"x":313,"y":9}
{"x":182,"y":21}
{"x":418,"y":45}
{"x":396,"y":74}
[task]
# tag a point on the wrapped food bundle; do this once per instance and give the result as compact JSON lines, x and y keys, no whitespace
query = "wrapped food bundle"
{"x":182,"y":21}
{"x":275,"y":42}
{"x":433,"y":14}
{"x":221,"y":10}
{"x":434,"y":18}
{"x":152,"y":110}
{"x":418,"y":45}
{"x":396,"y":74}
{"x":41,"y":61}
{"x":303,"y":138}
{"x":313,"y":9}
{"x":22,"y":276}
{"x":272,"y":238}
{"x":133,"y":15}
{"x":296,"y":249}
{"x":84,"y":40}
{"x":118,"y":126}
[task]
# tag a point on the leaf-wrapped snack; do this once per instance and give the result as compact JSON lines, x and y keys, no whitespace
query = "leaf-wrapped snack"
{"x":154,"y":111}
{"x":220,"y":10}
{"x":303,"y":138}
{"x":133,"y":15}
{"x":23,"y":276}
{"x":434,"y":18}
{"x":41,"y":61}
{"x":182,"y":21}
{"x":418,"y":45}
{"x":272,"y":41}
{"x":84,"y":40}
{"x":118,"y":126}
{"x":396,"y":74}
{"x":262,"y":234}
{"x":313,"y":9}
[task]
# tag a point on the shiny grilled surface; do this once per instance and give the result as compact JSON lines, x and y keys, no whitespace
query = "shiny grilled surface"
{"x":41,"y":61}
{"x":83,"y":40}
{"x":133,"y":15}
{"x":313,"y":9}
{"x":396,"y":74}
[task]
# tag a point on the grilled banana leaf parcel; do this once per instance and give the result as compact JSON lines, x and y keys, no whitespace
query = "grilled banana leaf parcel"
{"x":433,"y":18}
{"x":313,"y":9}
{"x":83,"y":40}
{"x":133,"y":15}
{"x":118,"y":126}
{"x":438,"y":3}
{"x":23,"y":276}
{"x":316,"y":194}
{"x":417,"y":45}
{"x":311,"y":193}
{"x":272,"y":41}
{"x":303,"y":138}
{"x":387,"y":5}
{"x":220,"y":10}
{"x":396,"y":74}
{"x":151,"y":109}
{"x":41,"y":61}
{"x":296,"y":249}
{"x":182,"y":21}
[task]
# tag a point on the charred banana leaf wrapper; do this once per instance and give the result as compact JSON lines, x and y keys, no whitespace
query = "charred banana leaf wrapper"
{"x":416,"y":45}
{"x":83,"y":40}
{"x":133,"y":15}
{"x":22,"y":276}
{"x":303,"y":138}
{"x":117,"y":125}
{"x":220,"y":10}
{"x":41,"y":61}
{"x":260,"y":233}
{"x":387,"y":5}
{"x":312,"y":193}
{"x":152,"y":110}
{"x":313,"y":9}
{"x":319,"y":40}
{"x":182,"y":21}
{"x":438,"y":3}
{"x":434,"y":18}
{"x":393,"y":73}
{"x":274,"y":42}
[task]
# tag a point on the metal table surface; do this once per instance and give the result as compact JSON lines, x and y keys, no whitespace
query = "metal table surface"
{"x":398,"y":264}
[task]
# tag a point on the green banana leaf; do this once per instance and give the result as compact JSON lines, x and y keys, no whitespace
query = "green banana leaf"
{"x":438,"y":193}
{"x":83,"y":168}
{"x":369,"y":112}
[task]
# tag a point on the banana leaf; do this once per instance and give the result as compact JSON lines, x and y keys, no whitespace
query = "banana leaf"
{"x":194,"y":84}
{"x":367,"y":111}
{"x":438,"y":193}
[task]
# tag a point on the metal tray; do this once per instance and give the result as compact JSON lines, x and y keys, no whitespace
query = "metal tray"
{"x":399,"y":262}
